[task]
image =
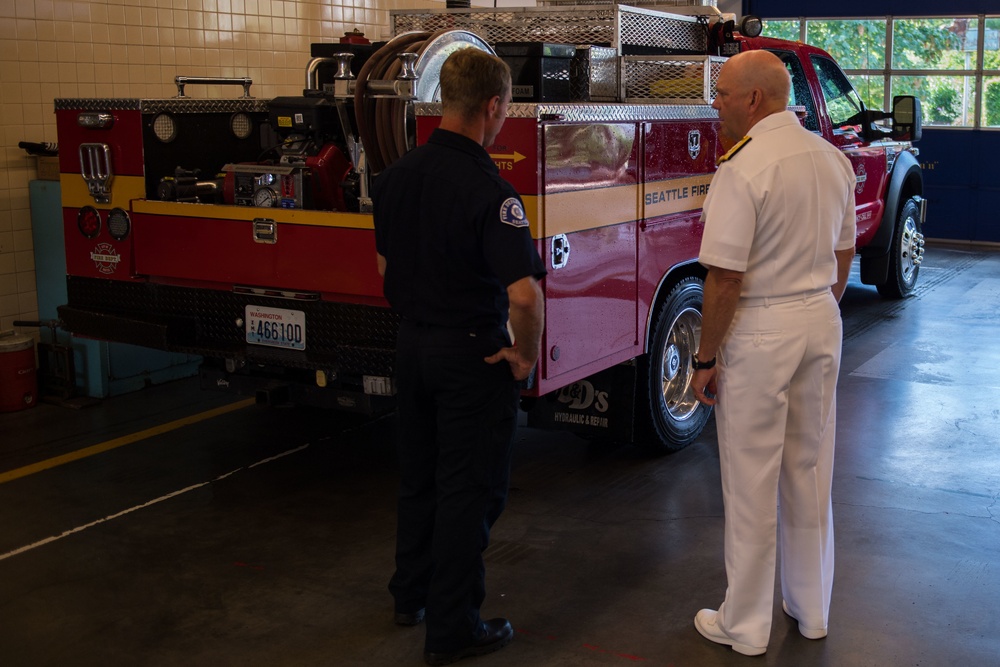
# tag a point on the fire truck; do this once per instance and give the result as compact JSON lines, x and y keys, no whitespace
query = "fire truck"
{"x":240,"y":229}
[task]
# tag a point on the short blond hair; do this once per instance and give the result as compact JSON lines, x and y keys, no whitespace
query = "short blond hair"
{"x":470,"y":77}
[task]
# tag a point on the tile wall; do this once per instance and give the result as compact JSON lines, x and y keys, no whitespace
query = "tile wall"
{"x":135,"y":48}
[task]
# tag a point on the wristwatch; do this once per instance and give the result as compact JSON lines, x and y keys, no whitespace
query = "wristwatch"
{"x":702,"y":365}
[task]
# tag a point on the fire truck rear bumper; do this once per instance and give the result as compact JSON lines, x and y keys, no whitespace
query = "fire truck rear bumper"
{"x":273,"y":391}
{"x":118,"y":328}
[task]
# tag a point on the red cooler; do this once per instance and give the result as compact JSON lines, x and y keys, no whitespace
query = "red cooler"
{"x":18,"y":379}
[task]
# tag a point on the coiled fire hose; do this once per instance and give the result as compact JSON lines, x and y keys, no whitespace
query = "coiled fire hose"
{"x":382,"y":121}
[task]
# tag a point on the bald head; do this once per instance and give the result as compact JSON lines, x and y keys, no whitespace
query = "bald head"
{"x":764,"y":71}
{"x":752,"y":85}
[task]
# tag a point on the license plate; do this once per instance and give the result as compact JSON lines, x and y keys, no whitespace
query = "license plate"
{"x":276,"y":327}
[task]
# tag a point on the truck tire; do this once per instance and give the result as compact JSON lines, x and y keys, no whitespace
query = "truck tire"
{"x":905,"y":254}
{"x":671,"y":418}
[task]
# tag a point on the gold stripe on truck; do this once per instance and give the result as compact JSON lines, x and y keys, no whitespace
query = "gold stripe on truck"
{"x":290,"y":215}
{"x":548,"y":215}
{"x":294,"y":216}
{"x":568,"y":212}
{"x":580,"y":210}
{"x":675,"y":195}
{"x":123,"y":190}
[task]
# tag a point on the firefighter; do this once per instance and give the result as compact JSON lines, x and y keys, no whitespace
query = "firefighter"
{"x":458,"y":260}
{"x":778,"y":244}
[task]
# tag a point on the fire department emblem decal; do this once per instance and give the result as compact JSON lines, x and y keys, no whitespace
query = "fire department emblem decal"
{"x":860,"y":176}
{"x":694,"y":144}
{"x":105,"y":258}
{"x":512,"y":214}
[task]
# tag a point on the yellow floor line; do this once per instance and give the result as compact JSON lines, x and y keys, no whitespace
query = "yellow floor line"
{"x":17,"y":473}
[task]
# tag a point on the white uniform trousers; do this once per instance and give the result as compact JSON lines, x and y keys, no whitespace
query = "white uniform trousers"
{"x":776,"y":421}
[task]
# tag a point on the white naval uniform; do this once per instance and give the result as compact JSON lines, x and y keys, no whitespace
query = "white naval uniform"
{"x":777,"y":210}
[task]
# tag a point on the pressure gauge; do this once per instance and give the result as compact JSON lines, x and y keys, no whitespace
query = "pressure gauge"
{"x":265,"y":198}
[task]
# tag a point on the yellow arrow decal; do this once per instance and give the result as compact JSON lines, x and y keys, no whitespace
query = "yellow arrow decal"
{"x":516,"y":157}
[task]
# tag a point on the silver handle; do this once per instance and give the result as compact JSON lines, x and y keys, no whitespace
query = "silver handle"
{"x":265,"y":230}
{"x":182,"y":81}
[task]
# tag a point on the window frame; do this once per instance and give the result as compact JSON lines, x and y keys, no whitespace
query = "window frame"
{"x":888,"y":73}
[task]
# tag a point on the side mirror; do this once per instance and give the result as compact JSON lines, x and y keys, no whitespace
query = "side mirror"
{"x":906,"y":118}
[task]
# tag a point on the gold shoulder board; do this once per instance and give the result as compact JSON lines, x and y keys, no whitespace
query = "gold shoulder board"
{"x":733,"y":151}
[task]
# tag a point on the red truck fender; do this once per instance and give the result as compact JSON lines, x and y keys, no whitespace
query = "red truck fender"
{"x":906,"y":181}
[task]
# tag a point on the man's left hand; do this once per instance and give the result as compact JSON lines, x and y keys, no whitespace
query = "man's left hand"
{"x":703,"y":384}
{"x":519,"y":366}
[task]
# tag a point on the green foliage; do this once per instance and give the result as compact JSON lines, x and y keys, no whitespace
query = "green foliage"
{"x":943,"y":107}
{"x":855,"y":44}
{"x":870,"y":88}
{"x":926,"y":43}
{"x":991,"y":103}
{"x":940,"y":98}
{"x":782,"y":30}
{"x":940,"y":45}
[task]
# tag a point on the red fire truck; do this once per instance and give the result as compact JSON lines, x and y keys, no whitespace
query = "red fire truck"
{"x":240,"y":229}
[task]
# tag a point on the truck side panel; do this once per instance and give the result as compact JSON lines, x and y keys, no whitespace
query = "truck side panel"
{"x":591,"y":206}
{"x":676,"y":180}
{"x":322,"y":252}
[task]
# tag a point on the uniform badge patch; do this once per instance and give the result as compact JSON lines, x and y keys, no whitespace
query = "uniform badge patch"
{"x":512,"y":213}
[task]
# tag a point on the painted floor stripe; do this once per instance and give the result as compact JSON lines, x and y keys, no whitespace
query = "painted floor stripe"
{"x":120,"y":442}
{"x":174,"y":494}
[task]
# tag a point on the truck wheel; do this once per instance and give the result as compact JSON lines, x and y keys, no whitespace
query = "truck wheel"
{"x":673,"y":416}
{"x":905,"y":254}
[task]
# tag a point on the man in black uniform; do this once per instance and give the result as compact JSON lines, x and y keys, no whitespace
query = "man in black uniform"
{"x":458,"y":259}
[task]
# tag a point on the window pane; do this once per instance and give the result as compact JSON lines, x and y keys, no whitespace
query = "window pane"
{"x":944,"y":100}
{"x":871,"y":88}
{"x":855,"y":44}
{"x":940,"y":44}
{"x":782,"y":29}
{"x":991,"y":51}
{"x":991,"y":101}
{"x":799,"y":95}
{"x":842,"y":102}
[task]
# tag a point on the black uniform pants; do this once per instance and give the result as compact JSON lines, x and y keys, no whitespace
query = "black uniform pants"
{"x":457,"y":416}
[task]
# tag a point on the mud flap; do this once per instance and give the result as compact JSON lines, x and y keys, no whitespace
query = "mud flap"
{"x":600,"y":406}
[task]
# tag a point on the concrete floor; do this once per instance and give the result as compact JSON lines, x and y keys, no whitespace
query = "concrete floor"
{"x":264,"y":536}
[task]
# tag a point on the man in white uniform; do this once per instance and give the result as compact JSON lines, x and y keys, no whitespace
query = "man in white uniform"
{"x":778,"y":244}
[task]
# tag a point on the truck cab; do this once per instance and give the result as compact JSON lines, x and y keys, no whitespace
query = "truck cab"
{"x":890,"y":205}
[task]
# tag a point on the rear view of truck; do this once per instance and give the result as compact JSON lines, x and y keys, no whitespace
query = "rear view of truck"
{"x":241,"y":229}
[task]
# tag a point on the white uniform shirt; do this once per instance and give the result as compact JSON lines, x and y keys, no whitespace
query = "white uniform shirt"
{"x":778,"y":209}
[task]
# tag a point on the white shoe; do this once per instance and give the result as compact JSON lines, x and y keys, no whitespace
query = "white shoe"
{"x":705,"y":623}
{"x":808,"y":633}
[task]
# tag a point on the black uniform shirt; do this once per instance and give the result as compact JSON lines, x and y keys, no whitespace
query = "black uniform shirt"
{"x":454,"y":235}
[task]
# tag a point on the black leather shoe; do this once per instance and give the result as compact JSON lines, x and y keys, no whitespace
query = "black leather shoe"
{"x":414,"y":618}
{"x":497,"y":634}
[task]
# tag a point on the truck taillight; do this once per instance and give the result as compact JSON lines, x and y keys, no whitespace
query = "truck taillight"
{"x":119,"y":224}
{"x":88,"y":221}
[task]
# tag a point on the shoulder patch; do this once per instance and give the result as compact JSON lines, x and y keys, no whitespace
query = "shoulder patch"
{"x":733,"y":151}
{"x":512,"y":213}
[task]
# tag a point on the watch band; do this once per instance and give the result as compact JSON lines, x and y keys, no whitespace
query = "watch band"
{"x":702,"y":365}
